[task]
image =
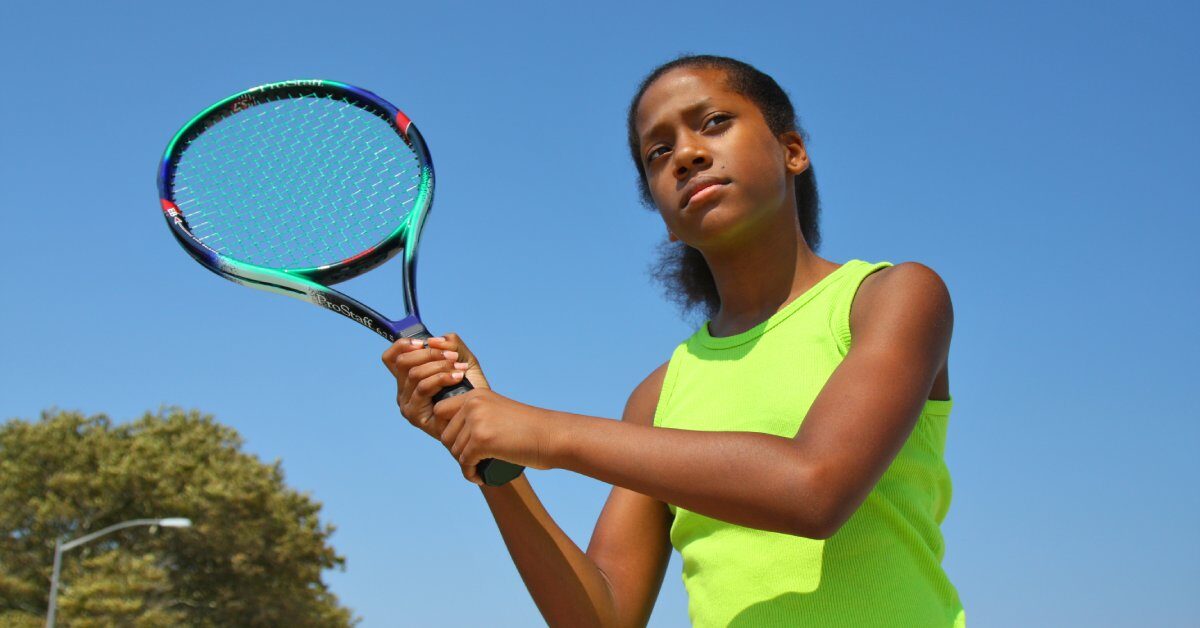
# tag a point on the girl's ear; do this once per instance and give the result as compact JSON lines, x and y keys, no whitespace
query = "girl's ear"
{"x":795,"y":155}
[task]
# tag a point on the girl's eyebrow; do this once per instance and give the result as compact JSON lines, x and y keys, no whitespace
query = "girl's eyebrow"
{"x":661,"y":124}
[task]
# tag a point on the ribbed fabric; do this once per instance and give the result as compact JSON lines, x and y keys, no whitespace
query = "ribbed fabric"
{"x":883,"y":567}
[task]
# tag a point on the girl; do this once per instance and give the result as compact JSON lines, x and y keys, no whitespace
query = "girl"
{"x":790,"y":449}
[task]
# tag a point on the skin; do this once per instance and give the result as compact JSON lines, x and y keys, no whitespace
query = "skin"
{"x":692,"y":129}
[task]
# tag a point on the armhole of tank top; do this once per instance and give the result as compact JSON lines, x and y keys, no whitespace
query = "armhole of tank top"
{"x":840,"y":322}
{"x":668,"y":385}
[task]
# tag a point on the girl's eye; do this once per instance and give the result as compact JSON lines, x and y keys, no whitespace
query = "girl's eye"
{"x":714,"y":120}
{"x":657,"y":152}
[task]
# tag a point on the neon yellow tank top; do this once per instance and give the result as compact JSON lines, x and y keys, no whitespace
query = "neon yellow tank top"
{"x":883,"y":567}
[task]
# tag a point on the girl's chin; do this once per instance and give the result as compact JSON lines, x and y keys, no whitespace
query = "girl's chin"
{"x":717,"y":228}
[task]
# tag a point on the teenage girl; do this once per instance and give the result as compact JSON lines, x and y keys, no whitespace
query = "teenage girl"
{"x":791,"y":449}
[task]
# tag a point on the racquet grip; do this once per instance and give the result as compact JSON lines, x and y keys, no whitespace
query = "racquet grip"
{"x":494,"y":472}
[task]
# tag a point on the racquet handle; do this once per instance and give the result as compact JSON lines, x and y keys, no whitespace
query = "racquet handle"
{"x":494,"y":472}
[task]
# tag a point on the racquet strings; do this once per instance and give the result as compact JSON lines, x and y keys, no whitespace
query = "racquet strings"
{"x":296,"y":183}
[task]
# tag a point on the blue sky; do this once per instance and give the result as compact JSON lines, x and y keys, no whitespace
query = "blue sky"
{"x":1039,"y":156}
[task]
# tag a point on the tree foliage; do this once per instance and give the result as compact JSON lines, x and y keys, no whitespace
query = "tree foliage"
{"x":253,"y":556}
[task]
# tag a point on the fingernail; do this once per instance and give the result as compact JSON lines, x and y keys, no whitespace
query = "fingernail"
{"x":416,"y":342}
{"x":462,"y":366}
{"x":450,"y":355}
{"x":456,"y":375}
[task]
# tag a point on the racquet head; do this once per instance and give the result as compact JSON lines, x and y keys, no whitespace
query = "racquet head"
{"x":292,"y":187}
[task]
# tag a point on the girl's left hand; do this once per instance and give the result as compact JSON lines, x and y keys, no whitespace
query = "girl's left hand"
{"x":482,"y":424}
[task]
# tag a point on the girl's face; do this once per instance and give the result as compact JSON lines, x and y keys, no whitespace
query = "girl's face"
{"x":715,"y":170}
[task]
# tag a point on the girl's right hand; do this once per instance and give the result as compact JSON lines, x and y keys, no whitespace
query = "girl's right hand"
{"x":423,"y":368}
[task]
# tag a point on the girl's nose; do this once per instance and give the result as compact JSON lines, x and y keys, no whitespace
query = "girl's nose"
{"x":689,"y":158}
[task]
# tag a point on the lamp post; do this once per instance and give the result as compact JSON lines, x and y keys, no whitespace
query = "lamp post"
{"x":60,"y":547}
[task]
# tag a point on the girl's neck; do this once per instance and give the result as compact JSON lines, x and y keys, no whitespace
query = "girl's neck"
{"x":756,"y":281}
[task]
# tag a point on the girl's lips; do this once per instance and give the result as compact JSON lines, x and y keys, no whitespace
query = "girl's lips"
{"x":704,"y":193}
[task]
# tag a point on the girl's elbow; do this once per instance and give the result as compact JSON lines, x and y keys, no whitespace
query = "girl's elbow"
{"x":821,"y":511}
{"x":822,"y":529}
{"x":818,"y":527}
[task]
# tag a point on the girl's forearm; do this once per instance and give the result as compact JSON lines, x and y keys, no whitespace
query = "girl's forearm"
{"x":566,"y":585}
{"x":746,"y":478}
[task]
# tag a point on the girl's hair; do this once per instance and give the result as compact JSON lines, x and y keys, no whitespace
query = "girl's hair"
{"x":681,"y":268}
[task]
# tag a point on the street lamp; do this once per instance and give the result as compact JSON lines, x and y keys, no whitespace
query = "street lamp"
{"x":60,"y":547}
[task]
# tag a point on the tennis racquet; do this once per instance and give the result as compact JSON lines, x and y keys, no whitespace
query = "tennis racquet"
{"x":292,"y":187}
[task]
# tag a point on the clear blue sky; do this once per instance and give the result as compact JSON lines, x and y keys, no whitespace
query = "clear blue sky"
{"x":1040,"y":156}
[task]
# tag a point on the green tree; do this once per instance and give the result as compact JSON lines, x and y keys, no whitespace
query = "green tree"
{"x":253,"y":557}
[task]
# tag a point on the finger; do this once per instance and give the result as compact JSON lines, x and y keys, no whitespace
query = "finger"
{"x":418,"y":415}
{"x":447,"y":408}
{"x":404,"y":358}
{"x":422,"y":372}
{"x":452,"y":342}
{"x":462,"y":438}
{"x":471,"y":474}
{"x":416,"y":356}
{"x":430,"y":386}
{"x":402,"y":345}
{"x":471,"y":468}
{"x":393,"y":351}
{"x":450,"y":434}
{"x":463,"y":454}
{"x":423,"y":343}
{"x":456,"y":434}
{"x":416,"y":401}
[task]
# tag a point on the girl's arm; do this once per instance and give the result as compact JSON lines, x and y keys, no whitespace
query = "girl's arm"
{"x":617,"y":581}
{"x":807,"y":485}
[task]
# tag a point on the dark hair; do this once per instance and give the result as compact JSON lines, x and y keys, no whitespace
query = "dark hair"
{"x":681,"y":268}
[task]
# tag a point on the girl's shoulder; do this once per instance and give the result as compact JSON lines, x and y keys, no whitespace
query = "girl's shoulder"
{"x":643,"y":401}
{"x":906,"y":279}
{"x":908,"y":289}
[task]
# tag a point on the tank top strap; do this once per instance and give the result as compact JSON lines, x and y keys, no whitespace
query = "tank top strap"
{"x":847,"y":289}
